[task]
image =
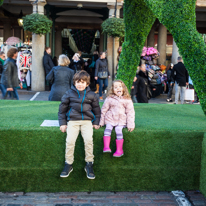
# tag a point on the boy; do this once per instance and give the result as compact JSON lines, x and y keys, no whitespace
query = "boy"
{"x":80,"y":106}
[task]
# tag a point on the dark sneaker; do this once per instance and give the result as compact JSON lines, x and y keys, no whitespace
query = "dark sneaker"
{"x":171,"y":100}
{"x":67,"y":170}
{"x":89,"y":170}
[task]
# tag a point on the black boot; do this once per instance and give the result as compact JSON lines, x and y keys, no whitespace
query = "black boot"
{"x":66,"y":171}
{"x":89,"y":170}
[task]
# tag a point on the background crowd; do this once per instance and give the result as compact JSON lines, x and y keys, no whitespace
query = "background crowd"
{"x":59,"y":74}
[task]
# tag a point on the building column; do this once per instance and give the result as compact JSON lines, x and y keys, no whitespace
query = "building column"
{"x":112,"y":44}
{"x":7,"y":29}
{"x":161,"y":45}
{"x":175,"y":53}
{"x":47,"y":7}
{"x":17,"y":32}
{"x":38,"y":44}
{"x":151,"y":37}
{"x":53,"y":35}
{"x":101,"y":43}
{"x":58,"y":42}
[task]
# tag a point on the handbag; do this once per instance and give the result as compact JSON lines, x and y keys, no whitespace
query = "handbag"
{"x":103,"y":74}
{"x":189,"y":94}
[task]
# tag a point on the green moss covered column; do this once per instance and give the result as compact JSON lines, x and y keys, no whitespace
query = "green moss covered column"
{"x":180,"y":19}
{"x":138,"y":21}
{"x":203,"y":168}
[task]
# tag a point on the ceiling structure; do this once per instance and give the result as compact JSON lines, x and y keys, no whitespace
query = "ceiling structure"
{"x":67,"y":15}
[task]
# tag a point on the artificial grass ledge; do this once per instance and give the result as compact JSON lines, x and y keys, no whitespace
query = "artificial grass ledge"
{"x":156,"y":157}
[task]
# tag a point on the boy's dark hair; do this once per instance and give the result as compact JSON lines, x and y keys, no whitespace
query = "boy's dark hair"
{"x":11,"y":52}
{"x":82,"y":75}
{"x":46,"y":48}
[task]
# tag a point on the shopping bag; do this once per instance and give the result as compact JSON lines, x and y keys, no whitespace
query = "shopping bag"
{"x":189,"y":94}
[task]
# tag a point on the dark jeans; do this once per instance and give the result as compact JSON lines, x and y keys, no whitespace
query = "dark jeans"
{"x":101,"y":88}
{"x":3,"y":89}
{"x":170,"y":88}
{"x":15,"y":92}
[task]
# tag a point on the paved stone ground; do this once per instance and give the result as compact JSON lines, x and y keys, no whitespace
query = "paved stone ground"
{"x":88,"y":199}
{"x":43,"y":96}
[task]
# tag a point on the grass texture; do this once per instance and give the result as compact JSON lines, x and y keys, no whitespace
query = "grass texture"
{"x":163,"y":153}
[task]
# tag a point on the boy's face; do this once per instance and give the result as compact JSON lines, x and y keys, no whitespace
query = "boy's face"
{"x":81,"y":85}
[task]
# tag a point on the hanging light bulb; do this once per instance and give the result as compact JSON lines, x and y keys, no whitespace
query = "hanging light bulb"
{"x":20,"y":20}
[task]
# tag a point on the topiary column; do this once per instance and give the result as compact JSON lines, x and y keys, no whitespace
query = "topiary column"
{"x":138,"y":20}
{"x":180,"y":19}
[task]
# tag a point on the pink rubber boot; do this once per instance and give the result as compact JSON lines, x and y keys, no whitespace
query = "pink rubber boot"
{"x":106,"y":140}
{"x":119,"y":145}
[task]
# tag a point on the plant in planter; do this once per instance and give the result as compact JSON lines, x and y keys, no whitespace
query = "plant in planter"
{"x":114,"y":27}
{"x":37,"y":24}
{"x":1,"y":2}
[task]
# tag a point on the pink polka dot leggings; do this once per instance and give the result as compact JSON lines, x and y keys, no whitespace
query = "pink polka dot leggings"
{"x":118,"y":130}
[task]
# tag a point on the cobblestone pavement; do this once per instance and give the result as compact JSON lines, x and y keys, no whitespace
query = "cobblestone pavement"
{"x":98,"y":199}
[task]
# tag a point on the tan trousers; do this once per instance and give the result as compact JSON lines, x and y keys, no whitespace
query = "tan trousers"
{"x":73,"y":128}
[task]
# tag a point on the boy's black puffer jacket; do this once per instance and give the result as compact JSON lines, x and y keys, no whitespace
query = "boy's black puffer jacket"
{"x":77,"y":106}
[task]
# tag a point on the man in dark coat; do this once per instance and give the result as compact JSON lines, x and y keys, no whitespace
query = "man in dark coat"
{"x":47,"y":61}
{"x":9,"y":76}
{"x":180,"y":76}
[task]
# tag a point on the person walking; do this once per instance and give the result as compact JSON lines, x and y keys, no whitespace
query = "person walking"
{"x":102,"y":73}
{"x":61,"y":78}
{"x":2,"y":60}
{"x":170,"y":81}
{"x":9,"y":77}
{"x":180,"y":76}
{"x":142,"y":84}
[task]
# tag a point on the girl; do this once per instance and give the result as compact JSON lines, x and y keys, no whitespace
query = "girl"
{"x":117,"y":111}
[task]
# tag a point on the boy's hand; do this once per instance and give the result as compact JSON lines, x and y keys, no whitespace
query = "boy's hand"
{"x":63,"y":128}
{"x":130,"y":129}
{"x":96,"y":126}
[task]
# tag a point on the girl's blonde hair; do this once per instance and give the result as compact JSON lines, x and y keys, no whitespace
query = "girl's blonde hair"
{"x":125,"y":90}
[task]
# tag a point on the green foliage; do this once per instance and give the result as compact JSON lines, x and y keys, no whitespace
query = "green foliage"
{"x":180,"y":19}
{"x":138,"y":22}
{"x":37,"y":23}
{"x":157,"y":156}
{"x":114,"y":27}
{"x":203,"y":168}
{"x":1,"y":2}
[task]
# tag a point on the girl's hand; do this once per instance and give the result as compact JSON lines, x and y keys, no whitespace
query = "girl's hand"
{"x":130,"y":129}
{"x":95,"y":78}
{"x":96,"y":126}
{"x":63,"y":128}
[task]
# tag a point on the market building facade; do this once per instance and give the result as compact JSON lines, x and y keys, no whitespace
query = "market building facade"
{"x":77,"y":26}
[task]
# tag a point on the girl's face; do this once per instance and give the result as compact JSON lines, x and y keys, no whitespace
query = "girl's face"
{"x":118,"y":89}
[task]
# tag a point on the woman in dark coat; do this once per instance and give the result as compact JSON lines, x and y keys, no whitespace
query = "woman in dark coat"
{"x":61,"y":79}
{"x":102,"y":66}
{"x":142,"y":82}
